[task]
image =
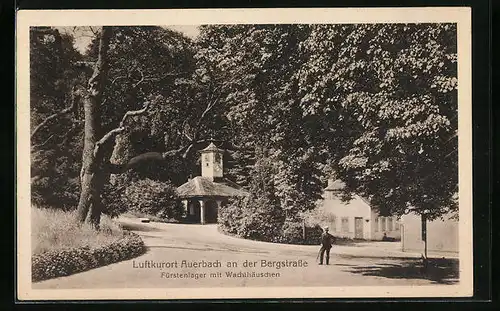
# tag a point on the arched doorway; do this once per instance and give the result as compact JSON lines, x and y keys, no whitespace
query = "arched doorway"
{"x":211,"y":211}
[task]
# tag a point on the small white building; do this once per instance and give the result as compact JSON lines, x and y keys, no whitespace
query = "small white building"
{"x":356,"y":218}
{"x":442,"y":235}
{"x":203,"y":195}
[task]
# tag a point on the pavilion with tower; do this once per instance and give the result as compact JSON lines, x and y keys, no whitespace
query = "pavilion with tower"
{"x":204,"y":195}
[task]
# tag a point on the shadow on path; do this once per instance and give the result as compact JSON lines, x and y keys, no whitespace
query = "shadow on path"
{"x":206,"y":248}
{"x":439,"y":271}
{"x":137,"y":227}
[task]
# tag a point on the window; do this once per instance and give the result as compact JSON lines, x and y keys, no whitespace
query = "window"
{"x":376,"y":224}
{"x":389,"y":224}
{"x":382,"y":219}
{"x":333,"y":223}
{"x":345,"y":224}
{"x":397,"y":225}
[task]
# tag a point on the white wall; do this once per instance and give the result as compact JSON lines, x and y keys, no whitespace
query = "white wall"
{"x":354,"y":208}
{"x":442,"y":236}
{"x":378,"y":228}
{"x":358,"y":207}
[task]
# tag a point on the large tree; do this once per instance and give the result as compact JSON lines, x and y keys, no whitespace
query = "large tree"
{"x":391,"y":89}
{"x":259,"y":63}
{"x":134,"y":72}
{"x":376,"y":104}
{"x":145,"y":63}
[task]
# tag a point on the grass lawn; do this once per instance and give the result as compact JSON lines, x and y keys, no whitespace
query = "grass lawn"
{"x":55,"y":229}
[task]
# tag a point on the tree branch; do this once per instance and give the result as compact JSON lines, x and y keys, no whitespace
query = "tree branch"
{"x":155,"y":79}
{"x":117,"y":78}
{"x":51,"y":117}
{"x":44,"y":143}
{"x":87,"y":64}
{"x":70,"y":133}
{"x":95,"y":32}
{"x":185,"y":149}
{"x":141,"y":80}
{"x":209,"y":107}
{"x":188,"y":149}
{"x":177,"y":152}
{"x":114,"y":132}
{"x":144,"y":78}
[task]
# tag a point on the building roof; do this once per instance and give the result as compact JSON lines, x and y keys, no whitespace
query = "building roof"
{"x":211,"y":148}
{"x":354,"y":207}
{"x":205,"y":187}
{"x":335,"y":185}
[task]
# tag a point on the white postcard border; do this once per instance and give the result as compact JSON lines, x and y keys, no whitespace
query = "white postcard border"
{"x":459,"y":15}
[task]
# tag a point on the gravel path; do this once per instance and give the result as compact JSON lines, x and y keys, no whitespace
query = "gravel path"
{"x":174,"y":248}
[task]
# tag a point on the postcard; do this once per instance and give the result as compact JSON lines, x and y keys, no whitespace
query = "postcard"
{"x":244,"y":153}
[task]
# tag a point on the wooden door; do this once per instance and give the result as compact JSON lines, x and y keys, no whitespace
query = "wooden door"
{"x":358,"y":228}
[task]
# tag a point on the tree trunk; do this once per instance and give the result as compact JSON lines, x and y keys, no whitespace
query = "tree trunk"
{"x":92,"y":174}
{"x":89,"y":175}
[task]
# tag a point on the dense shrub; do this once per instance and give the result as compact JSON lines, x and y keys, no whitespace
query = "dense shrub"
{"x":247,"y":219}
{"x":257,"y":219}
{"x":157,"y":198}
{"x":271,"y":212}
{"x":251,"y":217}
{"x":230,"y":216}
{"x":57,"y":263}
{"x":318,"y":216}
{"x":313,"y":234}
{"x":293,"y":233}
{"x":57,"y":191}
{"x":113,"y":200}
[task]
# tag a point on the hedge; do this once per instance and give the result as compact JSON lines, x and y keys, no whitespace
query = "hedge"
{"x":250,"y":220}
{"x":65,"y":262}
{"x":157,"y":198}
{"x":293,"y":234}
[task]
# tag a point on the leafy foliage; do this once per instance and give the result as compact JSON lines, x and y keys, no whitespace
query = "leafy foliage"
{"x":54,"y":161}
{"x":153,"y":197}
{"x":375,"y":104}
{"x":113,"y":200}
{"x":394,"y":88}
{"x":258,"y":216}
{"x":262,"y":107}
{"x":293,"y":233}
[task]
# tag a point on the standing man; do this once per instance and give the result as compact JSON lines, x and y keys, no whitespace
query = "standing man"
{"x":326,"y":245}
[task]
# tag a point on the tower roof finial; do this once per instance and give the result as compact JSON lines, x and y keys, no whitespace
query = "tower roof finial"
{"x":211,"y":148}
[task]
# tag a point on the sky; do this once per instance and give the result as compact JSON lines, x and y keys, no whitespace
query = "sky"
{"x":83,"y":35}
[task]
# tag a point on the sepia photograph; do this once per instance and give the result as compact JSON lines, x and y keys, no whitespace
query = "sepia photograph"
{"x":245,"y":158}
